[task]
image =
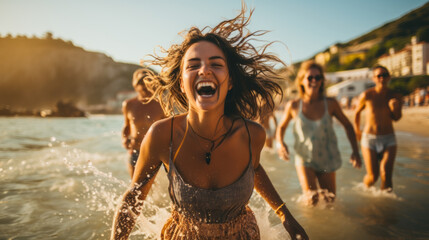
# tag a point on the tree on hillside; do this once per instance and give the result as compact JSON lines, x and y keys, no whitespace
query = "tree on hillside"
{"x":400,"y":85}
{"x":423,"y":34}
{"x":407,"y":85}
{"x":418,"y":82}
{"x":395,"y":34}
{"x":48,"y":35}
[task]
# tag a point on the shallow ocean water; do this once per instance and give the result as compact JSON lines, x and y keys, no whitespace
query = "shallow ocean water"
{"x":61,"y":178}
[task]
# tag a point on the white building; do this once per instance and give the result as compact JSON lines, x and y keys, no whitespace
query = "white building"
{"x":355,"y":74}
{"x":348,"y":84}
{"x":411,"y":60}
{"x":398,"y":63}
{"x":420,"y":56}
{"x":349,"y":89}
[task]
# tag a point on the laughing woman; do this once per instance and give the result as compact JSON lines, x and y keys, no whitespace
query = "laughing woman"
{"x":212,"y":151}
{"x":317,"y":156}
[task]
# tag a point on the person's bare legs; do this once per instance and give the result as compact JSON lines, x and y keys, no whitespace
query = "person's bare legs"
{"x":131,"y":170}
{"x":371,"y":165}
{"x":308,"y":180}
{"x":386,"y":167}
{"x":269,"y":142}
{"x":327,"y":182}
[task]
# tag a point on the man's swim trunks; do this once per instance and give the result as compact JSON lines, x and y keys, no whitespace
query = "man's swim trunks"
{"x":378,"y":143}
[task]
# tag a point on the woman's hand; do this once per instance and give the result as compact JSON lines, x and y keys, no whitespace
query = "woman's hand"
{"x":355,"y":160}
{"x":295,"y":230}
{"x":283,"y":151}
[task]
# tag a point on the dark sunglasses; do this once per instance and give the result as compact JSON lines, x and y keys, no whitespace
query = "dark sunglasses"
{"x":385,"y":75}
{"x":317,"y":78}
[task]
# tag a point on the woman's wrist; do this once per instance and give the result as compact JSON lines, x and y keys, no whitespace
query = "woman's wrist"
{"x":282,"y":212}
{"x":279,"y":208}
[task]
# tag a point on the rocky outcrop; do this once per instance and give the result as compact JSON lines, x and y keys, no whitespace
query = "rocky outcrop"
{"x":36,"y":73}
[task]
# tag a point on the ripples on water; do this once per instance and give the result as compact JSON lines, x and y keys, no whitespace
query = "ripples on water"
{"x":62,"y":179}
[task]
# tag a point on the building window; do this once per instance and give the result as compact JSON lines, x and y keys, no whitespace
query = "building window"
{"x":350,"y":88}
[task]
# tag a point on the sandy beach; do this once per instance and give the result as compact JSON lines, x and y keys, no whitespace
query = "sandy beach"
{"x":414,"y":120}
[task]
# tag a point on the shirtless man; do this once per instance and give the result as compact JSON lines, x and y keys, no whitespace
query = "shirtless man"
{"x":378,"y":140}
{"x":139,"y":115}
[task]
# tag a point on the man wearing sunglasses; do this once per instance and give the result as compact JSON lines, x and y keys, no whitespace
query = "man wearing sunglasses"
{"x":378,"y":141}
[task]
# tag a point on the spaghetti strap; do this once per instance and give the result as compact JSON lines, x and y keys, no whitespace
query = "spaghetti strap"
{"x":250,"y":141}
{"x":181,"y":143}
{"x":203,"y":205}
{"x":326,"y":105}
{"x":171,"y":138}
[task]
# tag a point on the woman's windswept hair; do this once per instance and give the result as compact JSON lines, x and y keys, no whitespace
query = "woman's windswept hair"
{"x":252,"y":72}
{"x":305,"y":66}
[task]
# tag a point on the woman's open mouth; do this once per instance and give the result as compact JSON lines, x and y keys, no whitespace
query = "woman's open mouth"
{"x":206,"y":89}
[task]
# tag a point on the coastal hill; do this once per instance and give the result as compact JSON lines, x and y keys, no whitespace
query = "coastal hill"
{"x":37,"y":73}
{"x":364,"y":50}
{"x":401,"y":29}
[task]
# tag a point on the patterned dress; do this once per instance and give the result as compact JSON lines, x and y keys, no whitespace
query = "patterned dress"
{"x":316,"y":143}
{"x":199,"y":213}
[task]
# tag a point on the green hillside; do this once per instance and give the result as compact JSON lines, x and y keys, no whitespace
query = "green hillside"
{"x":395,"y":34}
{"x":415,"y":22}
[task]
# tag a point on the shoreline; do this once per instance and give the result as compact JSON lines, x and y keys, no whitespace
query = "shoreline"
{"x":414,"y":120}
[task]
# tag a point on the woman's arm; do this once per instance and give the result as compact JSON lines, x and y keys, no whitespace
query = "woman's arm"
{"x":281,"y":130}
{"x":359,"y":108}
{"x":338,"y":114}
{"x":146,"y":169}
{"x":266,"y":189}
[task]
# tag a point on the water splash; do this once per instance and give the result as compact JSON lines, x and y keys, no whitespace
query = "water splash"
{"x":375,"y":192}
{"x":320,"y":199}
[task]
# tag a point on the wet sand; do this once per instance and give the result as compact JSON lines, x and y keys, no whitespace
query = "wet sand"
{"x":414,"y":120}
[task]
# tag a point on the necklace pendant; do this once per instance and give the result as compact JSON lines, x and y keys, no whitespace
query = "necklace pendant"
{"x":208,"y":157}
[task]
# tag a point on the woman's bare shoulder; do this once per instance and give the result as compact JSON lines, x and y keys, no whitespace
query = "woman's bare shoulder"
{"x":332,"y":101}
{"x":160,"y":132}
{"x":162,"y":125}
{"x":255,"y":128}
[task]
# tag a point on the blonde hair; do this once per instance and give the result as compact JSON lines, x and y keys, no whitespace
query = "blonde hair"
{"x":305,"y":66}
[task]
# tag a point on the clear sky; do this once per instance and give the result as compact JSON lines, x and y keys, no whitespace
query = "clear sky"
{"x":129,"y":29}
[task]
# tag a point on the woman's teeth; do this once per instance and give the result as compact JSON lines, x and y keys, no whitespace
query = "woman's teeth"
{"x":206,"y":88}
